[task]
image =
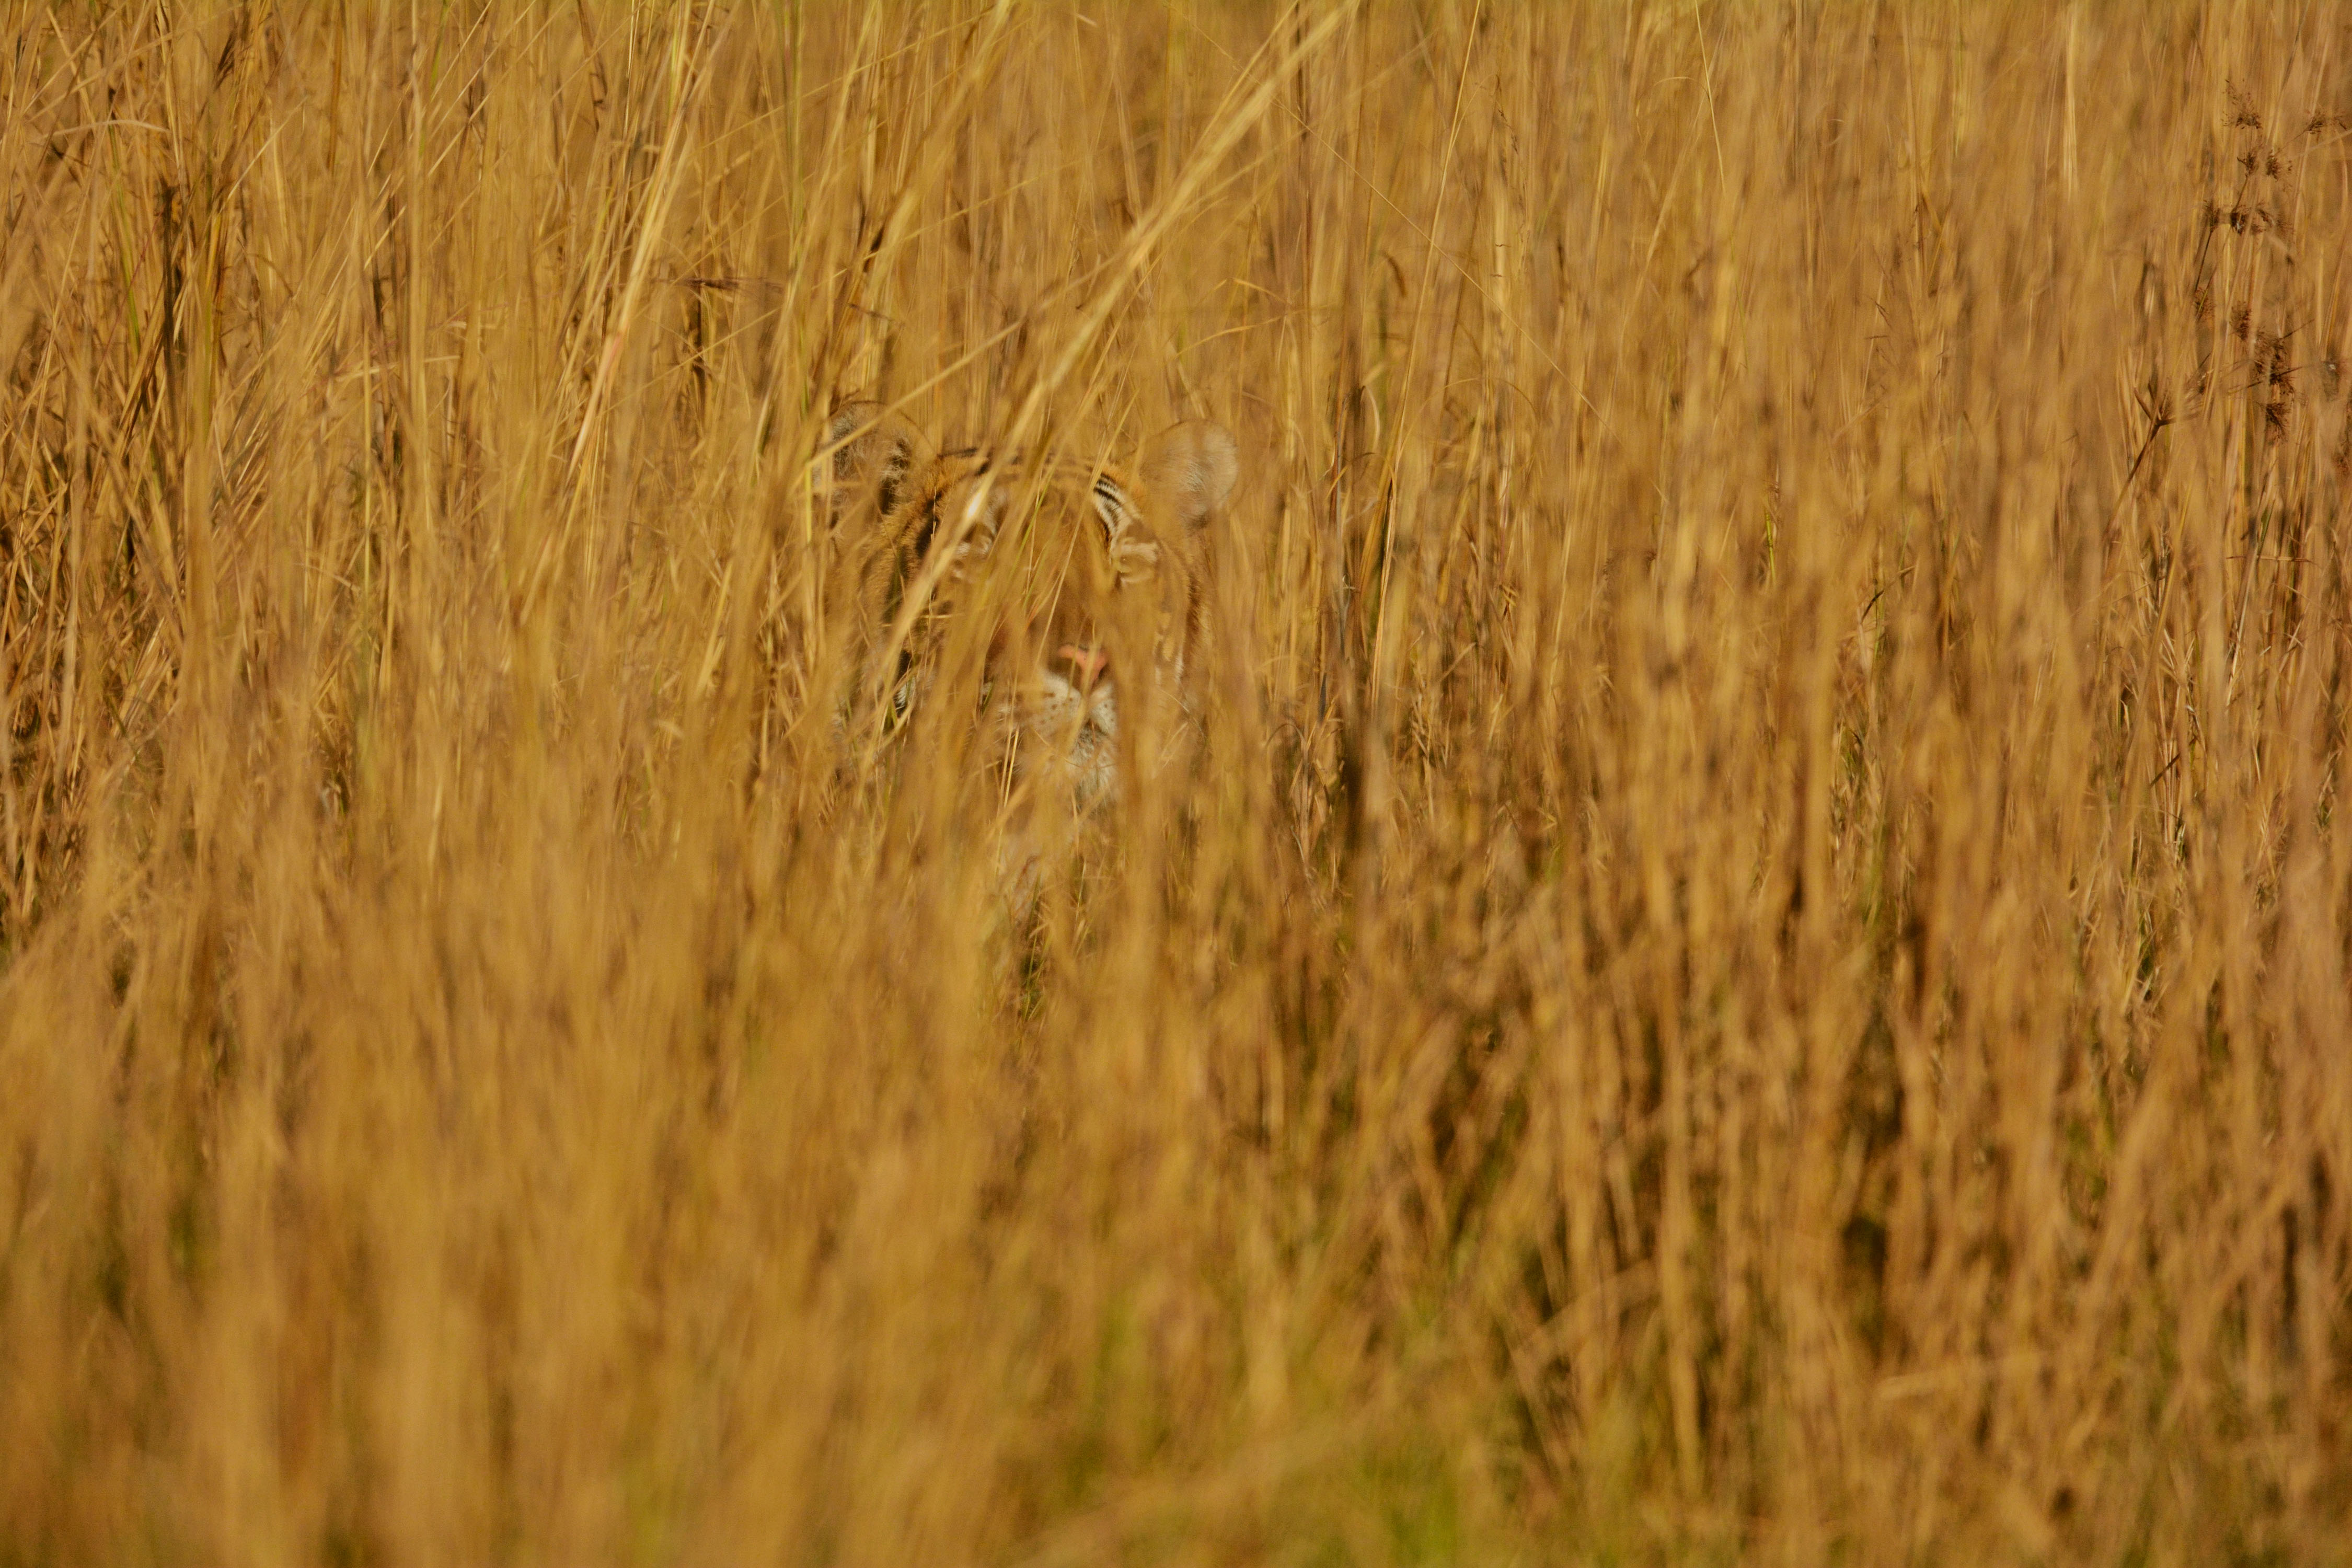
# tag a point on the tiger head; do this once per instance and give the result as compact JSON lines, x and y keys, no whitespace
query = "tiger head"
{"x":1076,"y":592}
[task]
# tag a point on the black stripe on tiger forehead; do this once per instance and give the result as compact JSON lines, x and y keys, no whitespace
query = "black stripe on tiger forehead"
{"x":960,"y":467}
{"x":1112,"y":504}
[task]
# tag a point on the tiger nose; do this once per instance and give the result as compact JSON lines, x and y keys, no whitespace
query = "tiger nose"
{"x":1088,"y":663}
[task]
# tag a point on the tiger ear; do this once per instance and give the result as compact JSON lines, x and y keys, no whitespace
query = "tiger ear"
{"x":1192,"y":468}
{"x":875,"y":449}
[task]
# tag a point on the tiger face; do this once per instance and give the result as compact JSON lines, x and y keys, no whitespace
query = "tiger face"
{"x":1074,"y":593}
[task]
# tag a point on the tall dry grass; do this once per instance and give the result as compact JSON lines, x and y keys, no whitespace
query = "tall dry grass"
{"x":1754,"y":965}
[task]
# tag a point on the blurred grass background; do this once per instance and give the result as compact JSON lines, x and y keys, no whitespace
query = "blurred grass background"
{"x":1754,"y":966}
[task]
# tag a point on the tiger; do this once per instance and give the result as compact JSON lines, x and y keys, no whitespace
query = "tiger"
{"x":1076,"y":591}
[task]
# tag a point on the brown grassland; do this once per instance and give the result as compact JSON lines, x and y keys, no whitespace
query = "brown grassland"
{"x":1754,"y":962}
